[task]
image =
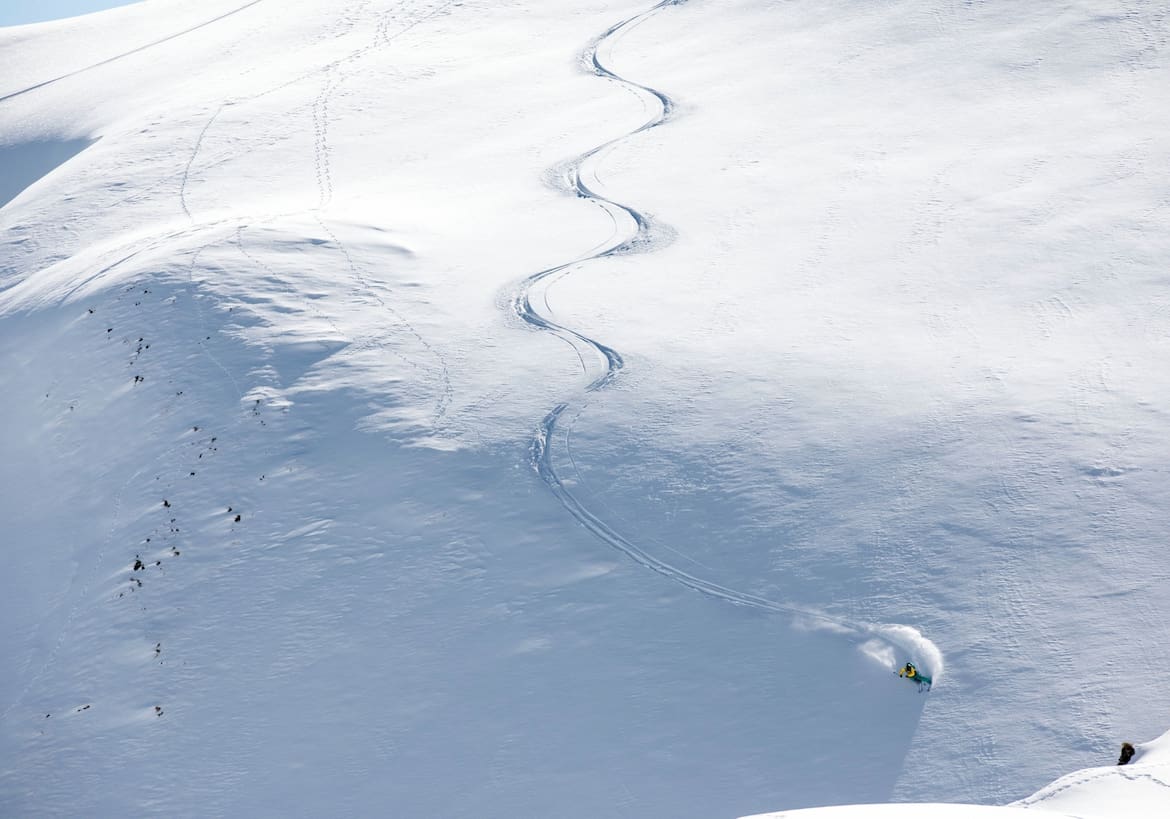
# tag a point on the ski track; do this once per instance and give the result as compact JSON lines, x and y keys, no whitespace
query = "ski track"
{"x":334,"y":77}
{"x":132,"y":51}
{"x":1076,"y":780}
{"x":191,"y":161}
{"x":641,"y":234}
{"x":633,"y":232}
{"x":85,"y":578}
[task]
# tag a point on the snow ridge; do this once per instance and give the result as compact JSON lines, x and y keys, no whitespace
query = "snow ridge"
{"x":125,"y":54}
{"x":888,"y":644}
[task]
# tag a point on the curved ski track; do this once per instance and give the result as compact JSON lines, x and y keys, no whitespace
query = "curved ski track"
{"x":640,"y":237}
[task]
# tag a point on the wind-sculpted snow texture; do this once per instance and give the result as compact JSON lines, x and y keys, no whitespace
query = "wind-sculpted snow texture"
{"x":318,"y":501}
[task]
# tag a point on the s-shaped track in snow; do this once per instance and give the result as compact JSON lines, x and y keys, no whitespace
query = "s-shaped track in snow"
{"x":635,"y":232}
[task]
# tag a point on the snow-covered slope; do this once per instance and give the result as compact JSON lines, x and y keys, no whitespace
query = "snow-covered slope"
{"x":1138,"y":789}
{"x":476,"y":408}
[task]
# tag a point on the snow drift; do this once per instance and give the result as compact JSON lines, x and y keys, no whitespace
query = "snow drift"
{"x":1136,"y":789}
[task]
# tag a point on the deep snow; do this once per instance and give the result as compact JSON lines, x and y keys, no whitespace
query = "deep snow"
{"x":886,"y":286}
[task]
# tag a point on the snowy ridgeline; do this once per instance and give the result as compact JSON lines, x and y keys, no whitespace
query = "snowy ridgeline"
{"x":436,"y":408}
{"x":1139,"y":789}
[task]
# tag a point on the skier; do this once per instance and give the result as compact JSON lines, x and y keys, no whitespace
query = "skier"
{"x":910,"y":672}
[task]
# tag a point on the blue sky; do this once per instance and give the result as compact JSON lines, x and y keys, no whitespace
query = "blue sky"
{"x":15,"y":12}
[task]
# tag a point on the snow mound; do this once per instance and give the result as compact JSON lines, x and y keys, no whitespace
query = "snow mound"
{"x":1141,"y":788}
{"x":899,"y":811}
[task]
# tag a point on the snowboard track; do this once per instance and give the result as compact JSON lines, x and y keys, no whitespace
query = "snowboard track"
{"x":643,"y":234}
